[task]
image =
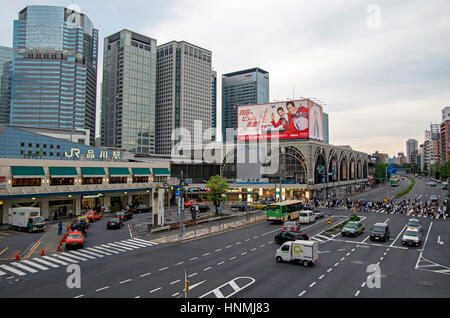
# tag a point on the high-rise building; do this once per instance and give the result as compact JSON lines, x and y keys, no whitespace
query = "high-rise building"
{"x":411,"y":145}
{"x":379,"y":157}
{"x":247,"y":87}
{"x":54,"y":69}
{"x":214,"y":104}
{"x":444,"y":141}
{"x":326,"y":132}
{"x":129,"y":92}
{"x":5,"y":83}
{"x":183,"y":95}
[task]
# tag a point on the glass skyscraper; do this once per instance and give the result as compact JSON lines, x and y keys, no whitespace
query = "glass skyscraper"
{"x":247,"y":87}
{"x":5,"y":83}
{"x":129,"y":92}
{"x":54,"y":69}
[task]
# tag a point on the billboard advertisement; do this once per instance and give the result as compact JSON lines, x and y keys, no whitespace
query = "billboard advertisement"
{"x":298,"y":119}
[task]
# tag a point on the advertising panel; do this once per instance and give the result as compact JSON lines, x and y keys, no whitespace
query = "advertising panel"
{"x":298,"y":119}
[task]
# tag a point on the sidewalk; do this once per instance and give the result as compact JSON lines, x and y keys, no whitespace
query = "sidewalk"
{"x":49,"y":241}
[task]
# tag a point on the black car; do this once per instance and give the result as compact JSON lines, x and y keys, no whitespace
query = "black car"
{"x":201,"y":207}
{"x":142,"y":208}
{"x":114,"y":223}
{"x":285,"y":236}
{"x":380,"y":232}
{"x":124,"y":215}
{"x":242,"y":207}
{"x":79,"y":225}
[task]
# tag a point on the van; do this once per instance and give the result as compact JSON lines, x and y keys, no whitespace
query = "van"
{"x":380,"y":232}
{"x":304,"y":252}
{"x":307,"y":217}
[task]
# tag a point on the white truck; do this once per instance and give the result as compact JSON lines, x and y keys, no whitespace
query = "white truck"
{"x":26,"y":219}
{"x":305,"y":252}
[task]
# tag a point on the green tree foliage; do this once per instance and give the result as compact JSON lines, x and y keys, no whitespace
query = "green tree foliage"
{"x":217,"y":187}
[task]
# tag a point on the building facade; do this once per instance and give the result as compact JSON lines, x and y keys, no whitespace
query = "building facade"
{"x":129,"y":92}
{"x":5,"y":83}
{"x":54,"y":69}
{"x":246,"y":87}
{"x":183,"y":95}
{"x":326,"y":132}
{"x":214,"y":105}
{"x":411,"y":145}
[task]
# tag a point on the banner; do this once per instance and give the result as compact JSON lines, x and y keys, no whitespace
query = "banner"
{"x":299,"y":119}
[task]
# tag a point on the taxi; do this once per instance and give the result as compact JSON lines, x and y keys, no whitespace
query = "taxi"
{"x":74,"y":239}
{"x":92,"y":216}
{"x":83,"y":217}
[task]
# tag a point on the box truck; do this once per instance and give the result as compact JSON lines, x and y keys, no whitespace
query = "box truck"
{"x":26,"y":219}
{"x":299,"y":251}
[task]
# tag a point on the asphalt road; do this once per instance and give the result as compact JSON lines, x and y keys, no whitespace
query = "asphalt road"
{"x":222,"y":264}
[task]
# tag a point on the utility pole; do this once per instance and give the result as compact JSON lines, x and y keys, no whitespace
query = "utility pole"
{"x":180,"y":204}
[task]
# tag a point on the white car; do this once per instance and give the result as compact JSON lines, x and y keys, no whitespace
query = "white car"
{"x":307,"y":216}
{"x":412,"y":236}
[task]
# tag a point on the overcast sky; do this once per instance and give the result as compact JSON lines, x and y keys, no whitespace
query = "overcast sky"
{"x":381,"y":67}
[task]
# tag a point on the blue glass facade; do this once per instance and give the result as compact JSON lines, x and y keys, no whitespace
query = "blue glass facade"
{"x":248,"y":87}
{"x":5,"y":83}
{"x":18,"y":143}
{"x":326,"y":133}
{"x":54,"y":69}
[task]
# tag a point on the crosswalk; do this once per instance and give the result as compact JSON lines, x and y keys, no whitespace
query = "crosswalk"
{"x":46,"y":262}
{"x":410,"y":212}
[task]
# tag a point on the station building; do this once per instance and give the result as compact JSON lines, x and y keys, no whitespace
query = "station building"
{"x":66,"y":177}
{"x":302,"y":169}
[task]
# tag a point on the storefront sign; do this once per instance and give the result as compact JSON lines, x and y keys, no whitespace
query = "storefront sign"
{"x":103,"y":154}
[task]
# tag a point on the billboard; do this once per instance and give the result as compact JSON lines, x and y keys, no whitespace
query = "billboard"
{"x":298,"y":119}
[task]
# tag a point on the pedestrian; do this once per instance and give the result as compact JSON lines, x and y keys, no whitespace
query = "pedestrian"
{"x":60,"y":227}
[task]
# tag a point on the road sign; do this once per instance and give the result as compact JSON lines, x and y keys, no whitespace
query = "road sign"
{"x":178,"y":193}
{"x":187,"y":181}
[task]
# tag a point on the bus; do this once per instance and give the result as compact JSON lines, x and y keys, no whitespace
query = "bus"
{"x":394,"y":182}
{"x":284,"y":211}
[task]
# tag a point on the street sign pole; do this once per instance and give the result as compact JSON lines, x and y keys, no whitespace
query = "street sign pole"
{"x":180,"y":205}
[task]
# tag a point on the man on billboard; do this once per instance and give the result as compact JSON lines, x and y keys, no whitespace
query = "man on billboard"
{"x":282,"y":121}
{"x":298,"y":118}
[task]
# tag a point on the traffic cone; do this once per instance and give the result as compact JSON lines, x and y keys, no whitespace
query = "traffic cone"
{"x":17,"y":255}
{"x":42,"y":253}
{"x":59,"y":248}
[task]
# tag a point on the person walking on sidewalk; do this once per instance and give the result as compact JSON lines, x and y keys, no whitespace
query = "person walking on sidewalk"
{"x":60,"y":227}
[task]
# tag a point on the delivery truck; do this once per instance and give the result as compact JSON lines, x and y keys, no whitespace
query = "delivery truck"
{"x":26,"y":219}
{"x":299,"y":251}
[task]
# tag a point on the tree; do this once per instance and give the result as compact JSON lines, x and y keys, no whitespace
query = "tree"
{"x":380,"y":172}
{"x":217,"y":187}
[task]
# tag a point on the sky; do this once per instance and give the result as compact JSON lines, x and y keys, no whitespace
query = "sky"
{"x":381,"y":68}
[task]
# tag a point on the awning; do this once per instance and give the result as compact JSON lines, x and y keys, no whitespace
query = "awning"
{"x":93,"y":171}
{"x":27,"y":172}
{"x":63,"y":172}
{"x":161,"y":172}
{"x":141,"y":171}
{"x":118,"y":172}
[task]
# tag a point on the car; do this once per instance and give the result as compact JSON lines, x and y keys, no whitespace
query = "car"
{"x":242,"y":207}
{"x":114,"y":223}
{"x":412,"y":236}
{"x":445,"y":187}
{"x":432,"y":184}
{"x":258,"y":206}
{"x":190,"y":203}
{"x":92,"y":216}
{"x":285,"y":236}
{"x":201,"y":207}
{"x":142,"y":208}
{"x":124,"y":215}
{"x":317,"y":214}
{"x":85,"y":218}
{"x":79,"y":225}
{"x":380,"y":232}
{"x":74,"y":239}
{"x":352,"y":228}
{"x":434,"y":197}
{"x":292,"y":226}
{"x":415,"y":224}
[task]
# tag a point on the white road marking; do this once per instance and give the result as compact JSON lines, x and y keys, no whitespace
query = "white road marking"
{"x":24,"y":267}
{"x":243,"y":253}
{"x":64,"y":258}
{"x":357,"y":293}
{"x":232,"y":258}
{"x":302,"y":293}
{"x":206,"y":254}
{"x":70,"y":255}
{"x":146,"y":274}
{"x":35,"y":265}
{"x":125,"y":281}
{"x":53,"y":260}
{"x":322,"y":276}
{"x":192,"y":275}
{"x":45,"y":262}
{"x":154,"y":290}
{"x":179,"y":263}
{"x":99,"y":251}
{"x":398,"y":236}
{"x":220,"y":263}
{"x":312,"y":284}
{"x":103,"y":288}
{"x":228,"y":246}
{"x":329,"y":270}
{"x":218,"y":250}
{"x":207,"y":268}
{"x":174,"y":282}
{"x":193,"y":259}
{"x":12,"y":270}
{"x":162,"y":269}
{"x":79,"y":296}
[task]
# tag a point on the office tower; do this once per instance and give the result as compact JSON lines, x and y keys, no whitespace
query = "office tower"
{"x":54,"y":69}
{"x":444,"y":140}
{"x":183,"y":95}
{"x":411,"y":145}
{"x":214,"y":105}
{"x":129,"y":92}
{"x":247,"y":87}
{"x":5,"y":83}
{"x":326,"y":132}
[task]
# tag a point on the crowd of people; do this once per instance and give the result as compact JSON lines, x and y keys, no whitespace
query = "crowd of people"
{"x":415,"y":207}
